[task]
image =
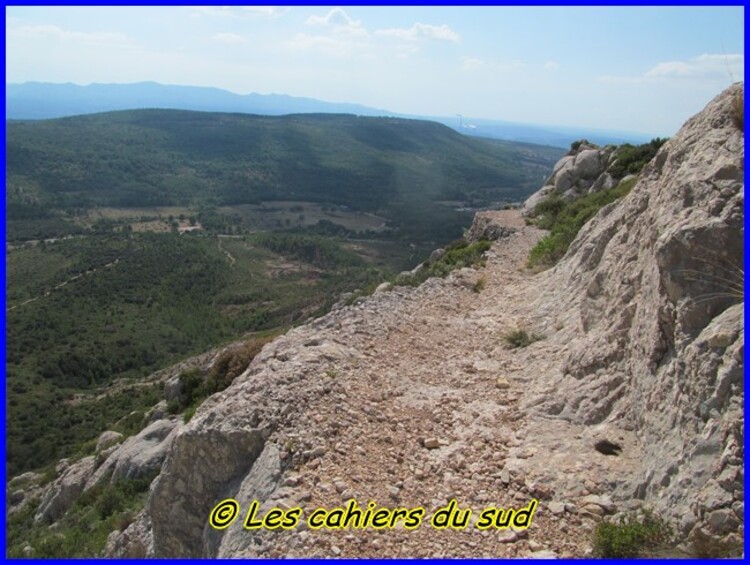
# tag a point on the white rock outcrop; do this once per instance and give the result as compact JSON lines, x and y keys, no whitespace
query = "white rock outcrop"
{"x":651,"y":298}
{"x":582,"y":170}
{"x":60,"y":496}
{"x":139,"y":456}
{"x":643,"y":348}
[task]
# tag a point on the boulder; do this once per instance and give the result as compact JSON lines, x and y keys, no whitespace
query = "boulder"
{"x":139,"y":456}
{"x":26,"y":478}
{"x":533,"y":200}
{"x":107,"y":439}
{"x":605,"y":181}
{"x":575,"y":174}
{"x":65,"y":490}
{"x":172,"y":388}
{"x":383,"y":287}
{"x":143,"y":454}
{"x":486,"y":226}
{"x":589,"y":164}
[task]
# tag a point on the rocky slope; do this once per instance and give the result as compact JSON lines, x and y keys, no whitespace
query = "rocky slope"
{"x":650,"y":298}
{"x":588,"y":168}
{"x":412,"y":397}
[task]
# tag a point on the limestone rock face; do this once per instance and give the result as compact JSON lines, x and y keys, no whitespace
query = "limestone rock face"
{"x":485,"y":227}
{"x":64,"y":491}
{"x":580,"y":171}
{"x":107,"y":439}
{"x":137,"y":457}
{"x":643,"y":347}
{"x":651,"y":298}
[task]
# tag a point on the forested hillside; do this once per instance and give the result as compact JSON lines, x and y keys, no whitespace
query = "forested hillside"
{"x":398,"y":168}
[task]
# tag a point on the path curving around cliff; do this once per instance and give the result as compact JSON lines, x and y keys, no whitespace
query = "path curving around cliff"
{"x":409,"y":398}
{"x":412,"y":397}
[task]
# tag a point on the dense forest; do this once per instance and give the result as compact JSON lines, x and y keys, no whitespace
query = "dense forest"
{"x":147,"y":158}
{"x":139,"y":238}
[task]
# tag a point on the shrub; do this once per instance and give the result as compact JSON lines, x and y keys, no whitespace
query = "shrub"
{"x":229,"y":365}
{"x":550,"y":249}
{"x":189,"y":412}
{"x":480,"y":284}
{"x":232,"y":363}
{"x":110,"y":501}
{"x":738,"y":110}
{"x":521,"y":338}
{"x":565,"y":219}
{"x":191,"y":385}
{"x":547,"y":210}
{"x":576,"y":145}
{"x":458,"y":255}
{"x":631,"y":159}
{"x":631,"y":536}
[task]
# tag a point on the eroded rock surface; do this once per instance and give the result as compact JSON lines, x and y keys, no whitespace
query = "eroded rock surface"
{"x":412,"y":397}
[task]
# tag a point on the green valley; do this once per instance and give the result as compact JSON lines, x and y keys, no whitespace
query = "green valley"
{"x":139,"y":238}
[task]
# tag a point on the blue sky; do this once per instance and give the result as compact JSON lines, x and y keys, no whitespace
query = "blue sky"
{"x":637,"y":69}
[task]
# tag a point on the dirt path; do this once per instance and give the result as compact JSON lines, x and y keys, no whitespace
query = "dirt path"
{"x":430,"y":412}
{"x":62,"y":284}
{"x":230,"y":257}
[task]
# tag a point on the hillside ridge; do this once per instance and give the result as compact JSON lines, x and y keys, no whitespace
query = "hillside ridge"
{"x":414,"y":397}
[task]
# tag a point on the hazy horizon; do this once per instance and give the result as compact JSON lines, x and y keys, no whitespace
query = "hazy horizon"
{"x":627,"y":69}
{"x":467,"y":119}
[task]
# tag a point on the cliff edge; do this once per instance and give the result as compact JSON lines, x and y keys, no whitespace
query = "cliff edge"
{"x":611,"y":382}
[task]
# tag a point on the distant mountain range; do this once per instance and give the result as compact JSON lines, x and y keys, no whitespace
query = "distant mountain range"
{"x":42,"y":100}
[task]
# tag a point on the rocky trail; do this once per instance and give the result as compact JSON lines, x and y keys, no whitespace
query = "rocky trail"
{"x":411,"y":398}
{"x":426,"y":409}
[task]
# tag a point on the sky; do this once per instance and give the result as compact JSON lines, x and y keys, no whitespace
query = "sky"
{"x":633,"y":69}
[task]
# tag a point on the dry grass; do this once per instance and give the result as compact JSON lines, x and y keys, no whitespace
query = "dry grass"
{"x":480,"y":285}
{"x":521,"y":338}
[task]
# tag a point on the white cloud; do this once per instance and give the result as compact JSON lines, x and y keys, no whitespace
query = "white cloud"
{"x":473,"y":64}
{"x":704,"y":67}
{"x":420,"y":31}
{"x":470,"y":64}
{"x":229,"y":37}
{"x":336,"y":17}
{"x":505,"y":66}
{"x":342,"y":36}
{"x":266,"y":11}
{"x":238,"y":12}
{"x":551,"y":65}
{"x":94,"y":38}
{"x":339,"y":22}
{"x":213,"y":11}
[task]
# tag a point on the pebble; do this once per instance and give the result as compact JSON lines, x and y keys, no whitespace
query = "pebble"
{"x":292,"y":481}
{"x":535,"y":545}
{"x":319,"y":451}
{"x":593,"y":509}
{"x":543,"y":554}
{"x":340,"y":486}
{"x":431,"y":443}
